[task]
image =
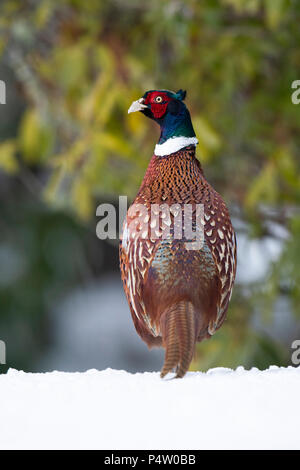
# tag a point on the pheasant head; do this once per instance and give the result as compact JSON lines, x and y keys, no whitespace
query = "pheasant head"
{"x":170,"y":112}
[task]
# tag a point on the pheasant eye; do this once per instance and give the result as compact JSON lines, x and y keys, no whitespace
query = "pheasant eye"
{"x":158,"y":99}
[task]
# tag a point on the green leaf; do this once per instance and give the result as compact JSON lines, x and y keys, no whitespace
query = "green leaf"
{"x":275,"y":12}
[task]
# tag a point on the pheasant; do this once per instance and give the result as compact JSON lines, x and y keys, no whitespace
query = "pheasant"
{"x":178,"y":285}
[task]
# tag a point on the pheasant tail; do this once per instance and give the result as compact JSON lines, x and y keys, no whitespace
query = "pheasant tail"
{"x":178,"y":325}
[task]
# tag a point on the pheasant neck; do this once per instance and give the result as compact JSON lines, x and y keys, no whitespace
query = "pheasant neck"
{"x":182,"y":168}
{"x":177,"y":132}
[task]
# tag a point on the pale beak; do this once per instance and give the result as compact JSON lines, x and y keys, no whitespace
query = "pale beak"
{"x":137,"y":106}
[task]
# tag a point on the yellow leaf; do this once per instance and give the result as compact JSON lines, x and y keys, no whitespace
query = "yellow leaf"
{"x":82,"y":199}
{"x":35,"y":137}
{"x":116,"y":144}
{"x":43,"y":13}
{"x":8,"y":161}
{"x":209,"y":141}
{"x":264,"y":187}
{"x":136,"y":125}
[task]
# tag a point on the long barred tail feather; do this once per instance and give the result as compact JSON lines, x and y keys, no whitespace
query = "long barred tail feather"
{"x":179,"y":338}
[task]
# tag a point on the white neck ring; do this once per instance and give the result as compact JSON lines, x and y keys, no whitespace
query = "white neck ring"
{"x":173,"y":145}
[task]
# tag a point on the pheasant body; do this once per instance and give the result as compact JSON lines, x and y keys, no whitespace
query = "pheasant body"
{"x":177,"y":295}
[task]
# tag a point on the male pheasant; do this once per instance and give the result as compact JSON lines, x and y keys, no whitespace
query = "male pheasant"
{"x":178,"y":289}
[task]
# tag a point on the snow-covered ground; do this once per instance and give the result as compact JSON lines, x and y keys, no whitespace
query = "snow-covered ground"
{"x":111,"y":409}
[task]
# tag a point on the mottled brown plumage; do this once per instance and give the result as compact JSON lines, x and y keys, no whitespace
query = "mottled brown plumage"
{"x":177,"y":296}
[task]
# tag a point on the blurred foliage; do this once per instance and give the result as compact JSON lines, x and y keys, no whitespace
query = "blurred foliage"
{"x":44,"y":253}
{"x":78,"y":65}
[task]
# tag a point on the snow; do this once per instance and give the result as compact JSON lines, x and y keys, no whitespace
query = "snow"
{"x":113,"y":409}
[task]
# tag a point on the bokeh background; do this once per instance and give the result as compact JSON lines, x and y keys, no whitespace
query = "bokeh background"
{"x":67,"y":144}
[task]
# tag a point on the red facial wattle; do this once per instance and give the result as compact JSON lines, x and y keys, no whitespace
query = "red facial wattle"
{"x":158,"y":108}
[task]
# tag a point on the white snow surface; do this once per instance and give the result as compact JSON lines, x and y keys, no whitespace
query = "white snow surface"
{"x":113,"y":409}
